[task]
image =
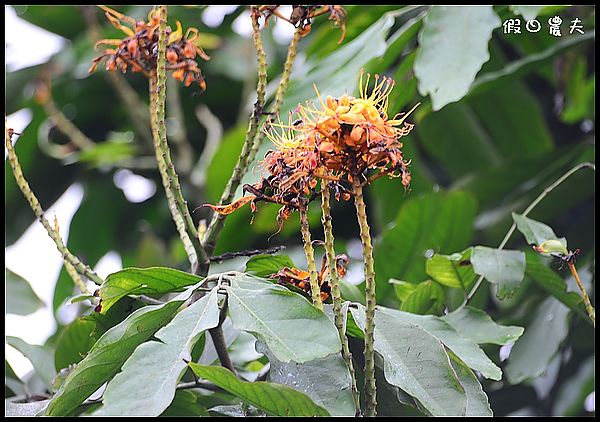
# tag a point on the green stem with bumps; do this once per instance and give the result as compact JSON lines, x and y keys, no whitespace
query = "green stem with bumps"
{"x":315,"y":289}
{"x":335,"y":287}
{"x":179,"y":210}
{"x":34,"y":204}
{"x":365,"y":237}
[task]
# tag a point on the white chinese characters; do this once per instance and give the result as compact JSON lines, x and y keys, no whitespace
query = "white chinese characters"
{"x":575,"y":26}
{"x":554,"y":23}
{"x":513,"y":26}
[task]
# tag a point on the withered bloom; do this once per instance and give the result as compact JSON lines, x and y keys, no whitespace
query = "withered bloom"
{"x":139,"y":51}
{"x":345,"y":138}
{"x":302,"y":15}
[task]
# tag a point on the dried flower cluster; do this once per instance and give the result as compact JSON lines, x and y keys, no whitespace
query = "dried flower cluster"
{"x":338,"y":140}
{"x":301,"y":16}
{"x":139,"y":51}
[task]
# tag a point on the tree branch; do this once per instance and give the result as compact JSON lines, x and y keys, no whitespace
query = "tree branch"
{"x":530,"y":208}
{"x":187,"y":230}
{"x":34,"y":204}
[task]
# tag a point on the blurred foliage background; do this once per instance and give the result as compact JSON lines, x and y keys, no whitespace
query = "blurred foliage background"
{"x":527,"y":118}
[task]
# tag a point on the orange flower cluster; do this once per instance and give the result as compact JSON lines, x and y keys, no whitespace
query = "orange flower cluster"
{"x":354,"y":135}
{"x":345,"y":138}
{"x":301,"y":16}
{"x":139,"y":51}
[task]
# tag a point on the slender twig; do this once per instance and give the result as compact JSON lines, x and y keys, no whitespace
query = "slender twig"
{"x":264,"y":372}
{"x":231,"y":255}
{"x":216,"y":224}
{"x":70,"y":269}
{"x":281,"y":89}
{"x":149,"y":300}
{"x":365,"y":237}
{"x":531,"y":206}
{"x":315,"y":289}
{"x":287,"y":70}
{"x":586,"y":299}
{"x":34,"y":204}
{"x":335,"y":287}
{"x":197,"y":384}
{"x":76,"y":136}
{"x":218,"y":338}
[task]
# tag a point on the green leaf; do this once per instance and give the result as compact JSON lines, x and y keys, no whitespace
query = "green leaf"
{"x":467,"y":147}
{"x":335,"y":395}
{"x":274,"y":399}
{"x":74,"y":343}
{"x":502,"y":267}
{"x":534,"y":231}
{"x":425,"y":297}
{"x":532,"y":353}
{"x":417,"y":363}
{"x":529,"y":134}
{"x":441,"y":221}
{"x":23,"y":300}
{"x":351,"y":292}
{"x":12,"y":383}
{"x":185,"y":403}
{"x":284,"y":320}
{"x":143,"y":281}
{"x":465,"y":348}
{"x":477,"y":400}
{"x":147,"y":381}
{"x":476,"y":325}
{"x":452,"y":270}
{"x":24,"y":409}
{"x":453,"y":45}
{"x":110,"y":352}
{"x":403,"y":289}
{"x":41,"y":357}
{"x":265,"y":265}
{"x":528,"y":63}
{"x":553,"y":283}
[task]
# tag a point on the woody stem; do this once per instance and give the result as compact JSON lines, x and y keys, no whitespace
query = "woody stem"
{"x":365,"y":237}
{"x":586,"y":299}
{"x":335,"y":287}
{"x":315,"y":289}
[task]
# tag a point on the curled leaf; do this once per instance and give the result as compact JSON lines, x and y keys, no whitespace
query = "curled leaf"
{"x":552,"y":246}
{"x":228,"y":209}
